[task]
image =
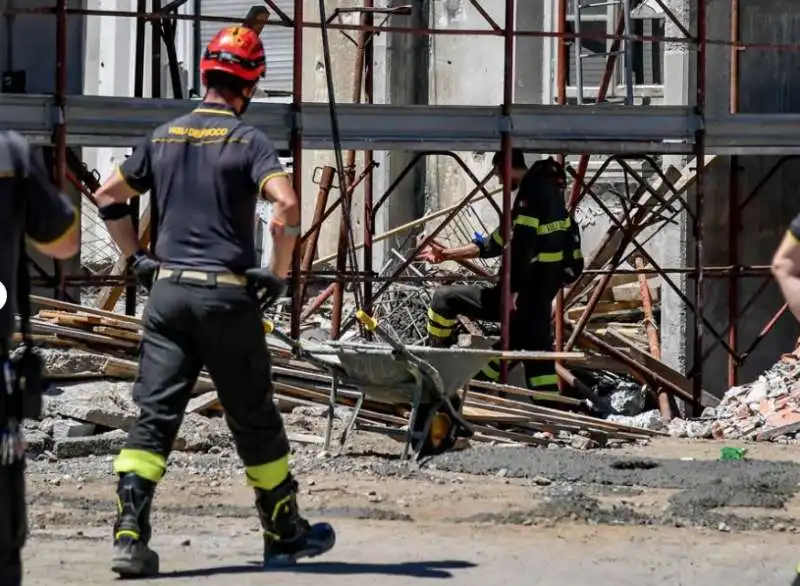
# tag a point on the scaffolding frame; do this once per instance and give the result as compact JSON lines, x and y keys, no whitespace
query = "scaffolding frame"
{"x":63,"y":122}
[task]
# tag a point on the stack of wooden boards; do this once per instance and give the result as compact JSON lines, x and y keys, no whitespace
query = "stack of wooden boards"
{"x":619,"y":309}
{"x":63,"y":324}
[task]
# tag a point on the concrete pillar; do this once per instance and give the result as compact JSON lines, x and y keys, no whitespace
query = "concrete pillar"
{"x":670,"y":243}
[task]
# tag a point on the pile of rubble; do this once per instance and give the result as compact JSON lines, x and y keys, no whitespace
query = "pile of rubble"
{"x":767,"y":409}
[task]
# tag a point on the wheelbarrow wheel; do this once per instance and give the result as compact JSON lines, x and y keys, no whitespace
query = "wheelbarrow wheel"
{"x":443,"y":431}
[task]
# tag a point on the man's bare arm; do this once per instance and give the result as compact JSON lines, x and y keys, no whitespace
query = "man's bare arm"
{"x":117,"y":191}
{"x":285,"y":222}
{"x":466,"y":252}
{"x":786,"y":269}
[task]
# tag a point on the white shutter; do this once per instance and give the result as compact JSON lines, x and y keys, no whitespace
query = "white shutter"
{"x":278,"y":41}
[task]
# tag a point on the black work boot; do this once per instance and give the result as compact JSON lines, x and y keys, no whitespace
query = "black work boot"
{"x":132,"y":555}
{"x":288,"y":536}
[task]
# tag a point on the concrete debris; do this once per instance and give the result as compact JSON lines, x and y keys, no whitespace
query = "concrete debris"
{"x":648,"y":420}
{"x":103,"y":403}
{"x":768,"y":409}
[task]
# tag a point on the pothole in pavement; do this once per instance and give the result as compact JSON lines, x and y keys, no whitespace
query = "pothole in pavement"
{"x":634,"y":465}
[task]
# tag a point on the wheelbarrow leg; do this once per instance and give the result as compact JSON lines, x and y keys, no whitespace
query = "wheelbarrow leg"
{"x":331,"y":413}
{"x":412,"y":421}
{"x":351,"y":422}
{"x":426,"y":429}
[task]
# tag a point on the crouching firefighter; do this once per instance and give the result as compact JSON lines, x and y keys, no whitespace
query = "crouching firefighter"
{"x":30,"y":209}
{"x":545,"y":256}
{"x":205,"y":171}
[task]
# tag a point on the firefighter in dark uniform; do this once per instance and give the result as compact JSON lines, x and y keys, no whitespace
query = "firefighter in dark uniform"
{"x":206,"y":170}
{"x":30,"y":207}
{"x":545,"y":256}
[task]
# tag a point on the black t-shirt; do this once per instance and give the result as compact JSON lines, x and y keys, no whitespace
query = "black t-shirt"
{"x":794,"y":227}
{"x":207,"y":170}
{"x":49,"y":215}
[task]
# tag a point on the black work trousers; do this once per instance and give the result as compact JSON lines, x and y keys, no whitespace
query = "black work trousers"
{"x":13,"y":522}
{"x":530,"y":326}
{"x":191,"y":324}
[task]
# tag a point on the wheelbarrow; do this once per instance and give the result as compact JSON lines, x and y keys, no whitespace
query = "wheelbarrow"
{"x":426,"y":378}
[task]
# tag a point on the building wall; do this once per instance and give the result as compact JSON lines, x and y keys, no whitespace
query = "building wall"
{"x":767,"y":83}
{"x":468,"y":70}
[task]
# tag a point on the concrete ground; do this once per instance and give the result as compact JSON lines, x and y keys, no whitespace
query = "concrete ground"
{"x":396,"y":553}
{"x":399,"y":525}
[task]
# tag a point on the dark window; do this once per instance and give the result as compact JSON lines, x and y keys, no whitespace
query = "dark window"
{"x":595,"y":64}
{"x":647,"y":56}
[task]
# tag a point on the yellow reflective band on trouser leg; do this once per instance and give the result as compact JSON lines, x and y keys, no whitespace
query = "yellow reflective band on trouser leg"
{"x":439,"y":332}
{"x":268,"y":476}
{"x":545,"y":380}
{"x":147,"y":465}
{"x":439,"y":326}
{"x":492,"y":370}
{"x":440,"y":320}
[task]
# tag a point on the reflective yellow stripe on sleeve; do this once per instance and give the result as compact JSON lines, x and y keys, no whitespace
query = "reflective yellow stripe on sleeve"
{"x":497,"y":237}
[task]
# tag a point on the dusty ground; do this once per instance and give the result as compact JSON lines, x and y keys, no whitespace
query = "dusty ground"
{"x":533,"y":516}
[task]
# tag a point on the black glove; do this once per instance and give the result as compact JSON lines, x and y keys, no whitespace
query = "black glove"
{"x":144,"y":267}
{"x":268,"y":285}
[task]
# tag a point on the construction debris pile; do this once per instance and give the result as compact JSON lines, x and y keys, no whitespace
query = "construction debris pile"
{"x":767,"y":409}
{"x":90,"y":361}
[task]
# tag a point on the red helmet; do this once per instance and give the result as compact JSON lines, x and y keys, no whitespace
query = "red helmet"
{"x":235,"y":50}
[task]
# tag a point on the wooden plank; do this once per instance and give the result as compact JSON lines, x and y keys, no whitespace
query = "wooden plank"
{"x":633,"y":291}
{"x":603,"y":309}
{"x":81,"y":335}
{"x":109,"y":296}
{"x":117,"y":333}
{"x":204,"y":402}
{"x":55,"y":303}
{"x":42,"y":339}
{"x":128,"y":369}
{"x":68,"y":319}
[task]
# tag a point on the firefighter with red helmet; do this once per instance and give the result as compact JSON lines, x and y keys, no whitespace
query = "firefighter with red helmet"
{"x":204,"y":172}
